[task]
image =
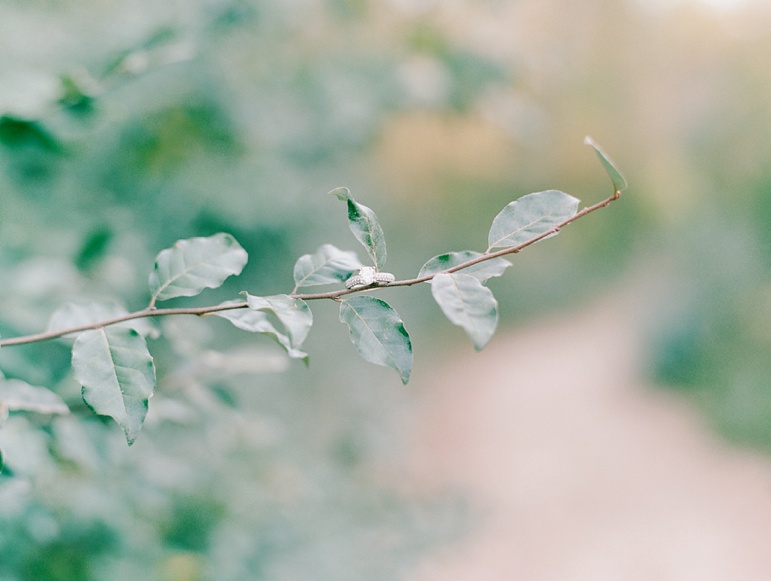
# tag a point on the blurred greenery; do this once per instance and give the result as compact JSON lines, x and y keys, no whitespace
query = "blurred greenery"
{"x":126,"y":126}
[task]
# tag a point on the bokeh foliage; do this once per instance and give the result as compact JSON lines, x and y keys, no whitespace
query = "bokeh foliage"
{"x":126,"y":126}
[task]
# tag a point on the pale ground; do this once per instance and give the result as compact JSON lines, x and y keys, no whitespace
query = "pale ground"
{"x":580,"y":471}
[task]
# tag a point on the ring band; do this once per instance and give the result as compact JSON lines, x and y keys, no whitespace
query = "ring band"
{"x":368,"y":276}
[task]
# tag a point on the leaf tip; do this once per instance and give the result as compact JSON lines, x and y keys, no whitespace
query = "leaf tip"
{"x":618,"y":180}
{"x":342,"y":193}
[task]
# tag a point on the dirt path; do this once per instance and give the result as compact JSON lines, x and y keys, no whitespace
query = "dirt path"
{"x":582,"y":472}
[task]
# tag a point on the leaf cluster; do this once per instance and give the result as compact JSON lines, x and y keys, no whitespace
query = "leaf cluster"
{"x":110,"y":355}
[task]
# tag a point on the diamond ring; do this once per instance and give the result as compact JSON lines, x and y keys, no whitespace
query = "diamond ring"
{"x":369,"y":276}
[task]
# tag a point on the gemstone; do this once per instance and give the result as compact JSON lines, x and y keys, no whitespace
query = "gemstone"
{"x":367,"y":274}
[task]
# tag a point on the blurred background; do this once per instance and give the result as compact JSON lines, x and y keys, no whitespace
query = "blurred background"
{"x":639,"y":337}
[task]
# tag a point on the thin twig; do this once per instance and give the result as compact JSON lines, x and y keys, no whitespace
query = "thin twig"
{"x":151,"y":311}
{"x":143,"y":314}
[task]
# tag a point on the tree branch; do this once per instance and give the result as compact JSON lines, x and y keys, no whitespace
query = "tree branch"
{"x":152,"y":311}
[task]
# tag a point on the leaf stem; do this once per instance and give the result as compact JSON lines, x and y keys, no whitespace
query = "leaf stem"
{"x":152,"y":311}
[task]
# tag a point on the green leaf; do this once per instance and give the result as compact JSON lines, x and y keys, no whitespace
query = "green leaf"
{"x":192,"y":265}
{"x":378,"y":333}
{"x":93,"y":249}
{"x":328,"y":265}
{"x":18,"y":132}
{"x":619,"y":183}
{"x":70,"y":316}
{"x":28,"y":454}
{"x":17,"y":395}
{"x":117,"y":374}
{"x":468,"y":304}
{"x":79,"y":90}
{"x":258,"y":321}
{"x":481,"y":271}
{"x":364,"y":224}
{"x":293,"y":313}
{"x":529,"y":217}
{"x":3,"y":406}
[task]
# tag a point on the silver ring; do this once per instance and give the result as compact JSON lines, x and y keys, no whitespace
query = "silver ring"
{"x":369,"y":276}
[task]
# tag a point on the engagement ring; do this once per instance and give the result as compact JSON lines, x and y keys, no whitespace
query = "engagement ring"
{"x":369,"y":276}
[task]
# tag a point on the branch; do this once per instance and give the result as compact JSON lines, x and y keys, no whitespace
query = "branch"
{"x":486,"y":256}
{"x":152,"y":311}
{"x":143,"y":314}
